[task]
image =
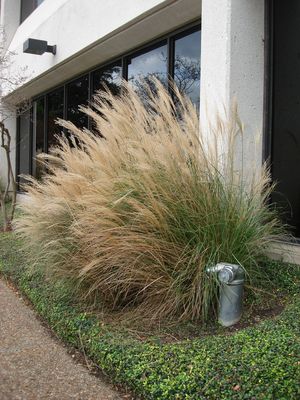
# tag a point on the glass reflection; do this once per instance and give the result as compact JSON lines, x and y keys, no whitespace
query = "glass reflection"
{"x":150,"y":63}
{"x":187,"y":66}
{"x":77,"y":94}
{"x":109,"y":77}
{"x":38,"y":136}
{"x":55,"y":110}
{"x":24,"y":146}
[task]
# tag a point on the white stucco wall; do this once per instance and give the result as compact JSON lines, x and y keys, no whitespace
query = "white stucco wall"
{"x":232,"y":68}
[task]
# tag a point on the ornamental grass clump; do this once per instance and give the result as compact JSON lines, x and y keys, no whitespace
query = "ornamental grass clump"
{"x":134,"y":212}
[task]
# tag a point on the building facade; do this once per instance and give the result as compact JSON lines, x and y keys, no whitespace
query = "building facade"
{"x":217,"y":51}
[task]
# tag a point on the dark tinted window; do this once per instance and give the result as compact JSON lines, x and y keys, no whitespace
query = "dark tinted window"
{"x":38,"y":135}
{"x":110,"y":77}
{"x":27,"y":7}
{"x":149,"y":63}
{"x":107,"y":78}
{"x":55,"y":110}
{"x":187,"y":65}
{"x":77,"y":94}
{"x":285,"y":151}
{"x":24,"y":146}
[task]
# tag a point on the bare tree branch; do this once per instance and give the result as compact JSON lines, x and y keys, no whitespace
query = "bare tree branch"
{"x":8,"y":83}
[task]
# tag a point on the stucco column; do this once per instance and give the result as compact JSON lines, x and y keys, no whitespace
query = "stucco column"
{"x":232,"y":67}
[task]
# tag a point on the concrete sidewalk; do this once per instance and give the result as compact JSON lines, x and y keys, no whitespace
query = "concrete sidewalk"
{"x":34,"y":365}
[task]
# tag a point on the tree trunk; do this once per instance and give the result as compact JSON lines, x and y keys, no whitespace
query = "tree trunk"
{"x":11,"y":181}
{"x":4,"y":214}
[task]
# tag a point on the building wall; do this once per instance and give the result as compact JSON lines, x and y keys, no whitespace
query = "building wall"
{"x":85,"y":37}
{"x":232,"y":55}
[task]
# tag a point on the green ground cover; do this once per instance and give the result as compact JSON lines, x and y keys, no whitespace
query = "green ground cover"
{"x":258,"y":362}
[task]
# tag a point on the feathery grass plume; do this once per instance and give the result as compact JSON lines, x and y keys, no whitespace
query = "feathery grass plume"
{"x":134,"y":212}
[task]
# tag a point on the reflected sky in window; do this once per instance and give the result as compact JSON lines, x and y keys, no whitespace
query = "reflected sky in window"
{"x":151,"y":63}
{"x":187,"y":66}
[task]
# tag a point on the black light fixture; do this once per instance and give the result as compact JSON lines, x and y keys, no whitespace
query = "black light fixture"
{"x":38,"y":47}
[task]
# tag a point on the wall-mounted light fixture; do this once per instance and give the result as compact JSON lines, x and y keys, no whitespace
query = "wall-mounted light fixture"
{"x":38,"y":47}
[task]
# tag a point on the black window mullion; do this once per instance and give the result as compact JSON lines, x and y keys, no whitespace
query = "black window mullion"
{"x":90,"y":97}
{"x":125,"y":68}
{"x":90,"y":87}
{"x":170,"y":62}
{"x":18,"y":153}
{"x":31,"y":140}
{"x":46,"y":124}
{"x":65,"y":108}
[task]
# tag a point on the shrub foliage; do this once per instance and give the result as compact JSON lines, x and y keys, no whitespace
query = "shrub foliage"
{"x":133,"y":212}
{"x":260,"y":362}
